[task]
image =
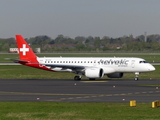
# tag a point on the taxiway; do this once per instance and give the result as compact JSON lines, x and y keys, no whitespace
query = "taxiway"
{"x":115,"y":90}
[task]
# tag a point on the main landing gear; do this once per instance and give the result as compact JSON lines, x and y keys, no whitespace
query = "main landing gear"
{"x":136,"y":76}
{"x":77,"y":78}
{"x":92,"y":79}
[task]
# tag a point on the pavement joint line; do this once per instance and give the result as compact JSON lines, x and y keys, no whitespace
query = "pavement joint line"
{"x":115,"y":94}
{"x":93,"y":96}
{"x":83,"y":95}
{"x":109,"y":95}
{"x":106,"y":95}
{"x":101,"y":95}
{"x":23,"y":93}
{"x":112,"y":95}
{"x":87,"y":97}
{"x":144,"y":92}
{"x":62,"y":98}
{"x":157,"y":91}
{"x":70,"y":98}
{"x":78,"y":97}
{"x":151,"y":92}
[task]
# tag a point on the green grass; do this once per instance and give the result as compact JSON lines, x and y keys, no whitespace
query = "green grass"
{"x":76,"y":111}
{"x":25,"y":72}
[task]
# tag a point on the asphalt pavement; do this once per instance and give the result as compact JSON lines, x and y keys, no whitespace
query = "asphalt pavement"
{"x":62,"y":90}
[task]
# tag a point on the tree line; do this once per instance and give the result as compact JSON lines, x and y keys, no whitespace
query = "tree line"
{"x":89,"y":44}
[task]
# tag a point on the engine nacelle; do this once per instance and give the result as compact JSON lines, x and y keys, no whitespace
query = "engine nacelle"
{"x":94,"y":72}
{"x":115,"y":75}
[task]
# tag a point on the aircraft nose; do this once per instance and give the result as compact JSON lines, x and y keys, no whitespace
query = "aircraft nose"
{"x":151,"y":68}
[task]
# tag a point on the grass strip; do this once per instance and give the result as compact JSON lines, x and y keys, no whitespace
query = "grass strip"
{"x":76,"y":111}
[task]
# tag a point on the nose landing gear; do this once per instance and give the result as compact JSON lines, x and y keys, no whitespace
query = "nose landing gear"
{"x":136,"y":76}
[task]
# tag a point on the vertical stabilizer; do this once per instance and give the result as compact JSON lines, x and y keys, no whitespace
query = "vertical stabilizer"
{"x":25,"y":52}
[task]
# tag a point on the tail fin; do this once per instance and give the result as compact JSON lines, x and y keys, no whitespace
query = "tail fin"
{"x":25,"y":52}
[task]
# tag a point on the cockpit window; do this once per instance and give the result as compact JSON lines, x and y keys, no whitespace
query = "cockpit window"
{"x":142,"y":61}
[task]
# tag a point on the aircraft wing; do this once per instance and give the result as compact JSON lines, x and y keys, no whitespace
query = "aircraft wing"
{"x":65,"y":66}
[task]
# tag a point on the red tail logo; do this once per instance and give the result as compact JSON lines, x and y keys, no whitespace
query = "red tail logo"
{"x":24,"y":49}
{"x":25,"y":52}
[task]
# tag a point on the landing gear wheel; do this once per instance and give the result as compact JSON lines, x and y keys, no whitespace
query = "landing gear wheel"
{"x":77,"y":78}
{"x":92,"y":79}
{"x":136,"y":78}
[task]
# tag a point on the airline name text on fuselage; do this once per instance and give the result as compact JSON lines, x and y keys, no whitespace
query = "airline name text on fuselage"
{"x":120,"y":63}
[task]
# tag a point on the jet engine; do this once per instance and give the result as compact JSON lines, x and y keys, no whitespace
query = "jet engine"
{"x":115,"y":75}
{"x":94,"y":72}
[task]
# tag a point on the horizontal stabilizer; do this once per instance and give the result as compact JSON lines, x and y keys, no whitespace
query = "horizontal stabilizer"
{"x":19,"y":61}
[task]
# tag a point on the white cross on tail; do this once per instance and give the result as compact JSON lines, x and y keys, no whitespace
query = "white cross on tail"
{"x":24,"y":49}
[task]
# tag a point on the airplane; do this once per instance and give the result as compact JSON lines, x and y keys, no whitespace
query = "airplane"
{"x":91,"y":67}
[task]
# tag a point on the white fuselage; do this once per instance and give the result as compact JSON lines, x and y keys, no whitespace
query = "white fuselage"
{"x":108,"y":64}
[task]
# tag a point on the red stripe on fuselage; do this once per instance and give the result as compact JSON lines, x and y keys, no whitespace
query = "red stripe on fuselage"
{"x":36,"y":66}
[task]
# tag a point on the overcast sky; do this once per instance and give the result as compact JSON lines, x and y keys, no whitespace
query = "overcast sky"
{"x":72,"y":18}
